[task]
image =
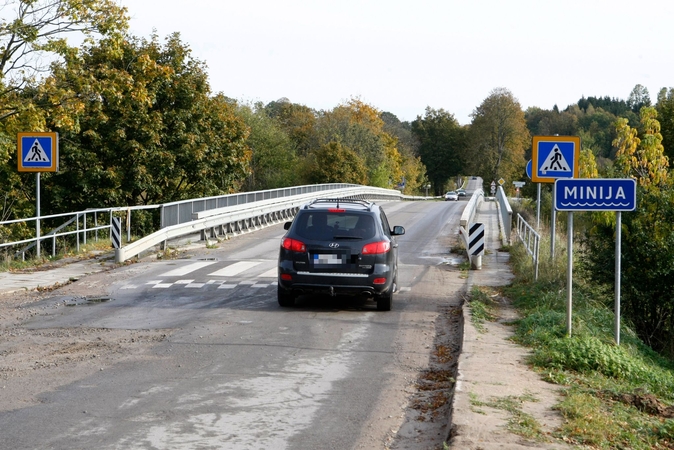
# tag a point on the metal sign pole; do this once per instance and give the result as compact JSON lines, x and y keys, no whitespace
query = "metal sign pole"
{"x":37,"y":212}
{"x":538,"y":209}
{"x":552,"y":228}
{"x":569,"y":274}
{"x":618,"y":226}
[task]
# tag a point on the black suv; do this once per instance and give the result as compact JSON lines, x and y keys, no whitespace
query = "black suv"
{"x":339,"y":246}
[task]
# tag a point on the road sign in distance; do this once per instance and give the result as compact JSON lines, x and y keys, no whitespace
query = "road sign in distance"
{"x":528,"y":169}
{"x":596,"y":194}
{"x":554,"y":157}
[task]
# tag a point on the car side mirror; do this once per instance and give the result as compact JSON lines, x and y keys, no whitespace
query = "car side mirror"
{"x":286,"y":226}
{"x":398,"y":231}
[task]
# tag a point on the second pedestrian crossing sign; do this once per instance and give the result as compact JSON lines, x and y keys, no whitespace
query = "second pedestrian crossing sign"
{"x":38,"y":152}
{"x":554,"y":157}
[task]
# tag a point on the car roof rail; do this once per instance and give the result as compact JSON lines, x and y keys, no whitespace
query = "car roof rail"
{"x":354,"y":201}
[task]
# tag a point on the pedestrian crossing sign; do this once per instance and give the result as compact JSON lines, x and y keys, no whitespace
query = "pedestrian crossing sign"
{"x":38,"y":152}
{"x":554,"y":157}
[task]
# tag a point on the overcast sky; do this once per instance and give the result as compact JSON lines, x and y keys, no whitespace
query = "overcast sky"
{"x":402,"y":56}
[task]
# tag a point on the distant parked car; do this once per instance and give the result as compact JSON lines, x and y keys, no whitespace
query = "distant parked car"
{"x":461,"y":192}
{"x":451,"y":196}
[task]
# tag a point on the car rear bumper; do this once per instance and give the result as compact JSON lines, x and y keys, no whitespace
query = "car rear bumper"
{"x":338,"y":283}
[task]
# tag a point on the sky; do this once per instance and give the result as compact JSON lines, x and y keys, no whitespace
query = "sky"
{"x":404,"y":56}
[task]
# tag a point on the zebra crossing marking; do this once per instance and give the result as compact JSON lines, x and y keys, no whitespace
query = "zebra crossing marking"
{"x":259,"y":281}
{"x":180,"y":271}
{"x":235,"y":269}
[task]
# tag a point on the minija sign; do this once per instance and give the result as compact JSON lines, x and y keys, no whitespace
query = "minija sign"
{"x":595,"y":194}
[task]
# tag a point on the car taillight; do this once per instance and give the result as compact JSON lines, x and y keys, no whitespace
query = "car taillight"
{"x":376,"y":248}
{"x":379,"y":281}
{"x":293,"y":245}
{"x":286,"y":277}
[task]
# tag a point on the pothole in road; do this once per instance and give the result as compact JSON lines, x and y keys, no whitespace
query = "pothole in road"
{"x":86,"y":301}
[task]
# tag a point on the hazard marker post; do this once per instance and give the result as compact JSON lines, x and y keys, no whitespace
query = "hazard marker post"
{"x":38,"y":152}
{"x":476,"y":244}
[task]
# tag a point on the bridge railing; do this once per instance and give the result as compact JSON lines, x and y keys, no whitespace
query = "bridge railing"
{"x":235,"y":219}
{"x":531,"y":240}
{"x":506,"y":213}
{"x":77,"y":227}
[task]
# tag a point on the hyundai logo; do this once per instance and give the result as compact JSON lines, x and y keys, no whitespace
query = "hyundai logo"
{"x":333,"y":245}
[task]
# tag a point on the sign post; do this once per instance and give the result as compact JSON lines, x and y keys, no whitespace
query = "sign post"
{"x":595,"y":194}
{"x":37,"y":152}
{"x":552,"y":158}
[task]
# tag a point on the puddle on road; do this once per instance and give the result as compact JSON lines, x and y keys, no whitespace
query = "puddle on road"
{"x":454,"y":261}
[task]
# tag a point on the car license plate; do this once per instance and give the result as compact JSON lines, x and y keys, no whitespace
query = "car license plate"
{"x":328,"y":259}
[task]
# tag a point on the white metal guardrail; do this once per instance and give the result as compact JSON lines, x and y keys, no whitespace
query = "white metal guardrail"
{"x":506,"y":212}
{"x":531,"y":240}
{"x":182,"y":211}
{"x":241,"y":218}
{"x":79,"y":225}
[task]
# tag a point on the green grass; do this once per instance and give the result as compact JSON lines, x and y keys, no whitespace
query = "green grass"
{"x":519,"y":422}
{"x":481,"y":307}
{"x":604,"y":384}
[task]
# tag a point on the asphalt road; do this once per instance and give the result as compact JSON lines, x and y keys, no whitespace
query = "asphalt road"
{"x":238,"y":372}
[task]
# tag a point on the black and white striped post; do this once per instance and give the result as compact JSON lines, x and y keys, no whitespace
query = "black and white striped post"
{"x":476,"y":244}
{"x":116,"y":232}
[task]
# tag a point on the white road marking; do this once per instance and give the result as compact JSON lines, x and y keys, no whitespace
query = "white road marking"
{"x":234,"y":269}
{"x":272,"y":273}
{"x":180,"y":271}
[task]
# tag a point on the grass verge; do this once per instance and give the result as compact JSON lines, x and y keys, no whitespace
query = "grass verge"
{"x":614,"y":396}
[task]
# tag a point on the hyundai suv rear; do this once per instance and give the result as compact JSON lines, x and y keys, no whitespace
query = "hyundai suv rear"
{"x":339,"y":247}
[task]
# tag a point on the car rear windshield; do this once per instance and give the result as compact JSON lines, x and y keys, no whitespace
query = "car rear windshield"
{"x":327,"y":225}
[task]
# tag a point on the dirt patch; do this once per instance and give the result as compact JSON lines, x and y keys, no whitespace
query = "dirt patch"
{"x":430,"y":401}
{"x":35,"y":361}
{"x":644,"y":402}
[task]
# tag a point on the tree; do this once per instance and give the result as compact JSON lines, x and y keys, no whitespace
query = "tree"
{"x":648,"y":254}
{"x":638,"y":98}
{"x":587,"y":164}
{"x":147,"y":129}
{"x":499,"y":137}
{"x":647,"y":278}
{"x":273,"y":162}
{"x":359,"y":127}
{"x":297,"y":121}
{"x":442,"y":146}
{"x":665,"y":108}
{"x":642,"y":159}
{"x":335,"y":163}
{"x":542,"y":122}
{"x":36,"y":33}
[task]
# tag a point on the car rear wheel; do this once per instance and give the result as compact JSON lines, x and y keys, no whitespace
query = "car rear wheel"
{"x":385,"y":301}
{"x":286,"y":298}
